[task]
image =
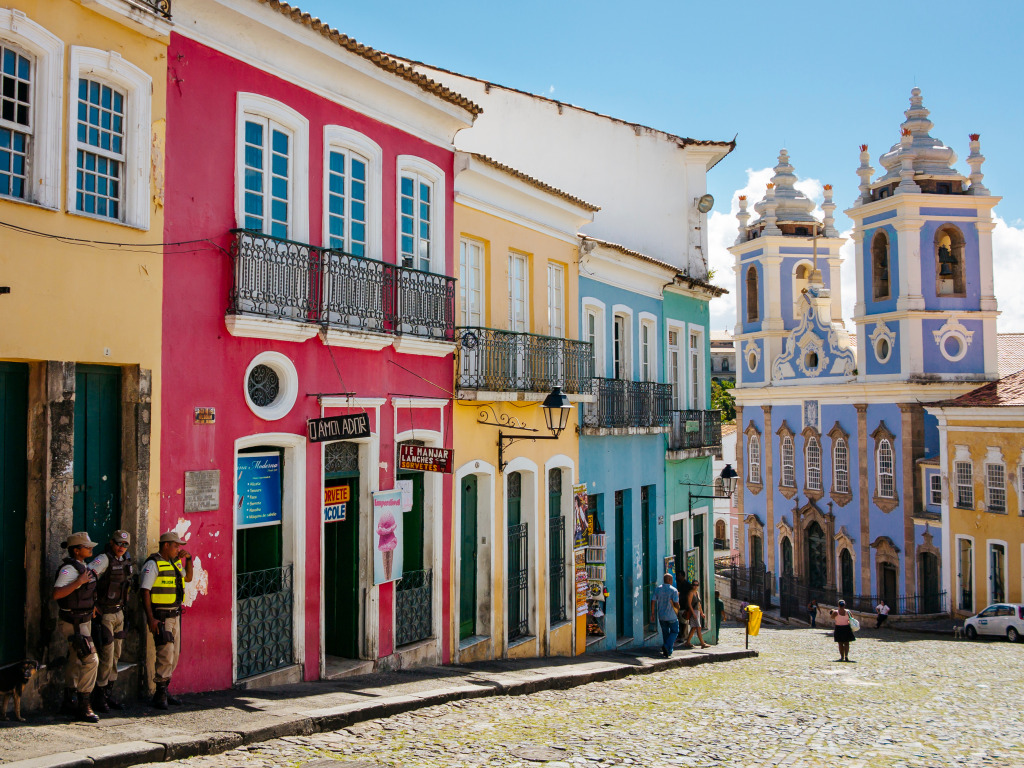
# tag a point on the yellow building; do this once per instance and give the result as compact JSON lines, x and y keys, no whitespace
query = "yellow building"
{"x":81,"y":182}
{"x":981,"y":441}
{"x":518,"y":324}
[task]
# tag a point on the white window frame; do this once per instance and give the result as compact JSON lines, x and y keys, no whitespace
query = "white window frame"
{"x":968,"y":487}
{"x":626,"y":313}
{"x":516,"y":257}
{"x":648,"y":321}
{"x":841,"y":482}
{"x":932,"y":490}
{"x":340,"y":139}
{"x":813,"y":477}
{"x":754,"y":463}
{"x":787,"y":451}
{"x":595,"y":307}
{"x":556,"y":299}
{"x":696,"y":364}
{"x":879,"y":474}
{"x":298,"y":187}
{"x":989,"y":496}
{"x":47,"y":106}
{"x":110,"y":69}
{"x":988,"y":570}
{"x":427,"y":171}
{"x":465,"y":284}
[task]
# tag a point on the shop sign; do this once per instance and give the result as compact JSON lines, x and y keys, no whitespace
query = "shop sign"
{"x":202,"y":490}
{"x":338,"y":428}
{"x":405,"y":486}
{"x":259,"y":490}
{"x":335,"y":503}
{"x":425,"y":458}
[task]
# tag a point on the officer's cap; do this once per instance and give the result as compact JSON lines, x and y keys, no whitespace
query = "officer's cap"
{"x":121,"y":537}
{"x":171,"y":537}
{"x":79,"y":539}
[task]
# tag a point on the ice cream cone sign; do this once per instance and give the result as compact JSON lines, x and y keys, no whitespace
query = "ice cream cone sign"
{"x":387,"y":523}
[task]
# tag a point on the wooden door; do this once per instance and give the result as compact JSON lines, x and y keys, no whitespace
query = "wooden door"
{"x":13,"y":499}
{"x":467,"y":563}
{"x":97,"y":464}
{"x":341,"y":575}
{"x":412,"y":525}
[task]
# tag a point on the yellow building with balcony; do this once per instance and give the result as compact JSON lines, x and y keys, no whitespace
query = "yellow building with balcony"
{"x":81,"y":175}
{"x":514,"y":589}
{"x":981,"y":459}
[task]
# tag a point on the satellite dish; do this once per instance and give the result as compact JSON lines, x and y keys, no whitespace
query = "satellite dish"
{"x":705,"y":203}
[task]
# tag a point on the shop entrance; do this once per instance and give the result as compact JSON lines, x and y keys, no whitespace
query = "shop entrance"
{"x":13,"y":499}
{"x":97,"y":464}
{"x":467,"y":564}
{"x":341,"y":555}
{"x":414,"y":602}
{"x":623,"y":593}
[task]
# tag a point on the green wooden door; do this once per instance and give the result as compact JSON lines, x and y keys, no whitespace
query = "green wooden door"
{"x":646,"y":556}
{"x":412,"y":525}
{"x":467,"y":563}
{"x":341,"y":575}
{"x":97,"y":466}
{"x":13,"y":499}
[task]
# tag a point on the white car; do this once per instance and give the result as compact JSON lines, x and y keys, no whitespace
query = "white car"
{"x":1001,"y":619}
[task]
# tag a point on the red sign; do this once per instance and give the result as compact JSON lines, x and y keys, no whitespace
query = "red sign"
{"x":425,"y":459}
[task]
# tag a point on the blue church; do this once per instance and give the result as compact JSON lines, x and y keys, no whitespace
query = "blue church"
{"x":837,"y":454}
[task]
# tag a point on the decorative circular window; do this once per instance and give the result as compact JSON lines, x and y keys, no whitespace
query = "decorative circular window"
{"x":271,"y":385}
{"x":882,"y":350}
{"x":752,"y":361}
{"x":953,"y":348}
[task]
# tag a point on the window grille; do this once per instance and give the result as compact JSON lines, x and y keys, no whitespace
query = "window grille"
{"x":841,"y":466}
{"x":886,"y":484}
{"x":788,"y":462}
{"x":754,"y":458}
{"x":342,"y":456}
{"x":813,"y":464}
{"x":964,"y":485}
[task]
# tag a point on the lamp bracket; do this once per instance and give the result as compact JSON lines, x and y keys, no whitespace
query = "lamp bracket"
{"x":488,"y":417}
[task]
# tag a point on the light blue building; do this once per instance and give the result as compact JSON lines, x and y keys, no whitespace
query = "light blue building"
{"x":836,"y":450}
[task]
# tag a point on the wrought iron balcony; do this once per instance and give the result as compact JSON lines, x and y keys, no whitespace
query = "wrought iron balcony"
{"x":159,"y":7}
{"x":287,"y":280}
{"x":505,"y":361}
{"x":696,"y":430}
{"x":623,"y":404}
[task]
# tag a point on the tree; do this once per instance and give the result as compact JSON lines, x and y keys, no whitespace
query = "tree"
{"x":722,"y":400}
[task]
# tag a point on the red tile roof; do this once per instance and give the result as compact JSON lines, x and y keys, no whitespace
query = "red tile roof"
{"x":1009,"y":390}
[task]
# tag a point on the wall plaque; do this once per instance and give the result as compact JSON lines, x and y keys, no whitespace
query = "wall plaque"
{"x":202,"y":490}
{"x":205,"y":415}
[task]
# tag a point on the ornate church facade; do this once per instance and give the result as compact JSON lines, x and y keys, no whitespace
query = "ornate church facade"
{"x":836,"y":449}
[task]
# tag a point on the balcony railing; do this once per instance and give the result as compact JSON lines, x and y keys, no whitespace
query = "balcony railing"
{"x":621,"y":404}
{"x":695,"y":429}
{"x":287,"y":280}
{"x":159,"y":7}
{"x":505,"y":361}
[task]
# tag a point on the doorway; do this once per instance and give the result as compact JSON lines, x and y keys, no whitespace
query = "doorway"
{"x":787,"y":557}
{"x":468,"y":554}
{"x":846,"y":571}
{"x":97,"y":462}
{"x":888,"y":581}
{"x":623,"y":594}
{"x":341,"y":553}
{"x":414,"y":592}
{"x":13,"y":500}
{"x":817,"y":559}
{"x":930,"y":582}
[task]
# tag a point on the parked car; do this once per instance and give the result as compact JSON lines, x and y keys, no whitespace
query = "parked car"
{"x":1002,"y":619}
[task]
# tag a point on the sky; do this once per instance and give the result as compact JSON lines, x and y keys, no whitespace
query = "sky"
{"x":818,"y":78}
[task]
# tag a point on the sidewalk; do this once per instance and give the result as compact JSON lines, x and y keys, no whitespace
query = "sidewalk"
{"x":208,"y":723}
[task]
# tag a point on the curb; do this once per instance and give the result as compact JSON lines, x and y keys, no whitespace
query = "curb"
{"x":270,"y":726}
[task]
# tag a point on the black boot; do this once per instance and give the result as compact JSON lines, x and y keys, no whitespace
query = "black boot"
{"x":70,"y":705}
{"x":174,"y":702}
{"x":99,"y":699}
{"x":85,"y":712}
{"x":160,"y":697}
{"x":108,"y":695}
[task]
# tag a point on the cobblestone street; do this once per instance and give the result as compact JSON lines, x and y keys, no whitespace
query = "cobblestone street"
{"x":908,"y":700}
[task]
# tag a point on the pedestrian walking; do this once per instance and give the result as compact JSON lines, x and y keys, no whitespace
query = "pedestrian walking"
{"x":665,"y":605}
{"x":75,"y":592}
{"x":883,"y":613}
{"x":163,"y":590}
{"x":719,"y":613}
{"x":113,"y":569}
{"x":843,"y":633}
{"x":696,"y":616}
{"x":812,"y":612}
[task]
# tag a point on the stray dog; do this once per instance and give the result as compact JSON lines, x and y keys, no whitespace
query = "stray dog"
{"x":13,"y":679}
{"x":958,"y":631}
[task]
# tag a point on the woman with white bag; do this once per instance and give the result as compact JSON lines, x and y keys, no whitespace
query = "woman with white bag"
{"x":843,"y":633}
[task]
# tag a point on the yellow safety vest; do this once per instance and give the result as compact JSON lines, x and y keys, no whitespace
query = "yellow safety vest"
{"x":169,"y":587}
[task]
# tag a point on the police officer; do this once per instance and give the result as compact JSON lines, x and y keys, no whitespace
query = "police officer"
{"x":163,"y":589}
{"x":113,"y":570}
{"x":75,"y":593}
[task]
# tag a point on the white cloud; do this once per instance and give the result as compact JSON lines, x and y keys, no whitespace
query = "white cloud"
{"x":551,"y":89}
{"x":1008,"y":268}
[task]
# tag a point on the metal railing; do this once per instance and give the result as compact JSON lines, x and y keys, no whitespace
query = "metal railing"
{"x":749,"y":585}
{"x":288,"y":280}
{"x":794,"y":597}
{"x":264,"y":616}
{"x":506,"y":361}
{"x":621,"y":403}
{"x":160,"y":7}
{"x":695,"y":429}
{"x":518,"y":582}
{"x":414,"y":607}
{"x":556,"y":568}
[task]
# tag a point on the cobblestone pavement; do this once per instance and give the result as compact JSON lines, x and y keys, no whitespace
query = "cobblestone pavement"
{"x":907,"y":701}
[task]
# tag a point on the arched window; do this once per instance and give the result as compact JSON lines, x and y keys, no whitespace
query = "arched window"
{"x":841,"y":466}
{"x":801,"y":277}
{"x":752,"y":310}
{"x":813,"y":459}
{"x":949,"y":262}
{"x":754,"y":459}
{"x":719,"y":532}
{"x":885,"y":481}
{"x":788,"y":462}
{"x":880,"y":266}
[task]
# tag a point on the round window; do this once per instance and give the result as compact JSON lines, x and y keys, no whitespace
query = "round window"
{"x":953,"y":347}
{"x":271,"y":385}
{"x":752,"y":361}
{"x":882,"y":350}
{"x":811,"y":361}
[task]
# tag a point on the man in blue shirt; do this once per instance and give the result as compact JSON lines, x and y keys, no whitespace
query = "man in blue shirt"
{"x":665,"y":605}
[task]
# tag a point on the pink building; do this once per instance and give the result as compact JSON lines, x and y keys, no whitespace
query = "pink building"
{"x":309,"y":179}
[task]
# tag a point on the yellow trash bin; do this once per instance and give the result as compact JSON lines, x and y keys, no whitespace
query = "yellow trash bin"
{"x":753,"y":619}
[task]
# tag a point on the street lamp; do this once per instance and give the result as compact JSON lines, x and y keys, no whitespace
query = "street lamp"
{"x":556,"y":407}
{"x":729,"y":479}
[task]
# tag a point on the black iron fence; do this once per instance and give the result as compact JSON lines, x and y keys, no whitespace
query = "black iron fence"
{"x":518,"y":582}
{"x":505,"y":361}
{"x":264,"y":616}
{"x":749,"y":585}
{"x":287,"y":280}
{"x":696,"y":429}
{"x":621,"y":403}
{"x":556,"y":568}
{"x":794,"y":597}
{"x":414,"y":607}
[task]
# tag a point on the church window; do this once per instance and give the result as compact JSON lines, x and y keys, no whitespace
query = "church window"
{"x":886,"y":486}
{"x":754,"y":458}
{"x":841,"y":466}
{"x":811,"y":361}
{"x":880,"y":266}
{"x":882,"y":350}
{"x":943,"y":188}
{"x":752,"y":310}
{"x":949,"y":262}
{"x":813,"y":458}
{"x":788,"y":469}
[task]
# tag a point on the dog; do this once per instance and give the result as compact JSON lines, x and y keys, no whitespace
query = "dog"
{"x":958,"y":631}
{"x":13,"y":679}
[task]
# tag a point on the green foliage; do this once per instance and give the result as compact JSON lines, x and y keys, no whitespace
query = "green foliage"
{"x":722,"y":400}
